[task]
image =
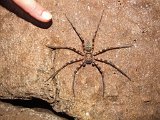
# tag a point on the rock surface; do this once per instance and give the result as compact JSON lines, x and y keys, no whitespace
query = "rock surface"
{"x":26,"y":62}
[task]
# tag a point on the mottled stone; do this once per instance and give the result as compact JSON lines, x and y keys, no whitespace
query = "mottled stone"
{"x":26,"y":62}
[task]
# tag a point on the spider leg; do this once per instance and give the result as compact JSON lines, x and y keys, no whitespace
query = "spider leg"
{"x":95,"y":34}
{"x":78,"y":34}
{"x":112,"y":65}
{"x":75,"y":72}
{"x":102,"y":75}
{"x":65,"y":65}
{"x":68,"y":48}
{"x":110,"y":48}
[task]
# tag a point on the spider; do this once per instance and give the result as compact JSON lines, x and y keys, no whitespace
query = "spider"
{"x":88,"y":56}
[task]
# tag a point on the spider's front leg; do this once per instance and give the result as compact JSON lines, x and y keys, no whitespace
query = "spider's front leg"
{"x":111,"y":48}
{"x":65,"y":65}
{"x":68,"y":48}
{"x":112,"y":65}
{"x":78,"y":34}
{"x":95,"y":34}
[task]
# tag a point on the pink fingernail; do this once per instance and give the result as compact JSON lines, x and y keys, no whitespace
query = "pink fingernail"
{"x":46,"y":15}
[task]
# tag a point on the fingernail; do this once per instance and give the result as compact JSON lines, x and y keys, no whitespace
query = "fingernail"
{"x":46,"y":15}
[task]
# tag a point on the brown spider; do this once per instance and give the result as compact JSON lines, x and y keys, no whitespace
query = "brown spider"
{"x":89,"y":56}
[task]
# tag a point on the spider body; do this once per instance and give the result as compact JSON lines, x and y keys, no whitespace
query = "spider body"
{"x":88,"y":56}
{"x":88,"y":47}
{"x":88,"y":59}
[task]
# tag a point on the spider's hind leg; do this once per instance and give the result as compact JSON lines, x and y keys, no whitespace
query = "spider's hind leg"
{"x":102,"y":75}
{"x":114,"y":66}
{"x":65,"y":65}
{"x":75,"y":72}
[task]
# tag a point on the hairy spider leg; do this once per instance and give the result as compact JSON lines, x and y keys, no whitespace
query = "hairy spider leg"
{"x":68,"y":48}
{"x":78,"y":34}
{"x":65,"y":65}
{"x":112,"y":65}
{"x":75,"y":72}
{"x":95,"y":34}
{"x":110,"y":48}
{"x":102,"y":75}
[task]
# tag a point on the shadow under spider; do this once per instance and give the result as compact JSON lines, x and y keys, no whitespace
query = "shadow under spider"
{"x":88,"y":55}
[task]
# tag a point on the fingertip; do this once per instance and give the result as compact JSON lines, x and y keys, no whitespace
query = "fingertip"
{"x":46,"y":16}
{"x":35,"y":10}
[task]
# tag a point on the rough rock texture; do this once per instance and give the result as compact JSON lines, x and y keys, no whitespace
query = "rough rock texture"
{"x":25,"y":62}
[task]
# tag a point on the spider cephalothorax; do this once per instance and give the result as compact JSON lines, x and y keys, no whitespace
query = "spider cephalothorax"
{"x":88,"y":47}
{"x":88,"y":56}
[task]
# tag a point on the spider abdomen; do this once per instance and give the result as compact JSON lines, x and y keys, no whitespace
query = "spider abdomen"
{"x":88,"y":58}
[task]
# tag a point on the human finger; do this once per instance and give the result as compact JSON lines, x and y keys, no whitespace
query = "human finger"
{"x":34,"y":9}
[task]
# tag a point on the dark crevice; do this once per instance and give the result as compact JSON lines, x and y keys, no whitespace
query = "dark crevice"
{"x":38,"y":105}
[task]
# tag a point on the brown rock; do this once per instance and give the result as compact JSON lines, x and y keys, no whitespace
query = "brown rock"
{"x":26,"y":62}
